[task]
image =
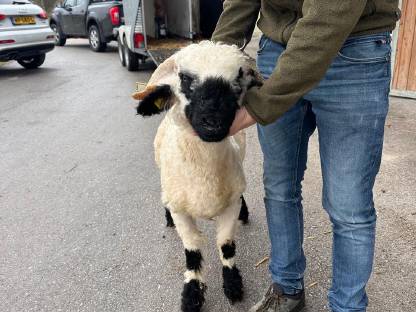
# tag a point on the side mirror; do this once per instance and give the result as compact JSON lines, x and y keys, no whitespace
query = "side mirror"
{"x":69,"y":9}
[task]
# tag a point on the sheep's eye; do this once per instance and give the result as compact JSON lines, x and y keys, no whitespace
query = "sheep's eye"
{"x":186,"y":83}
{"x":186,"y":78}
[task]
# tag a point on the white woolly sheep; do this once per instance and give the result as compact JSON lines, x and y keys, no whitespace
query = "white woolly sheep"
{"x":201,"y":167}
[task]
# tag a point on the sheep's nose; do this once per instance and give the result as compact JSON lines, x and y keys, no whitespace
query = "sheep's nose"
{"x":211,"y":123}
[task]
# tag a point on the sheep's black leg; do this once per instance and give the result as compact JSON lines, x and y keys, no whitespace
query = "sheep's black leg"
{"x":192,"y":239}
{"x":233,"y":283}
{"x":193,"y":289}
{"x":243,"y":217}
{"x":169,"y":220}
{"x":226,"y":228}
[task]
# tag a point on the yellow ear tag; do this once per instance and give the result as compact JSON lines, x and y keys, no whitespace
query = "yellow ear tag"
{"x":159,"y":103}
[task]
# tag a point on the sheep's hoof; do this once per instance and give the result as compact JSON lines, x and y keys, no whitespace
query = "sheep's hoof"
{"x":193,"y":296}
{"x":169,"y":220}
{"x":233,"y":284}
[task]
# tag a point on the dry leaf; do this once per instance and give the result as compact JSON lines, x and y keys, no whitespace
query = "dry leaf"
{"x":262,"y":261}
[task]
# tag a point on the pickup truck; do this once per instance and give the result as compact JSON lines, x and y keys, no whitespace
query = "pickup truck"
{"x":97,"y":20}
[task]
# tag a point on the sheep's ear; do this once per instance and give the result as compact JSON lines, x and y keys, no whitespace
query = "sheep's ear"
{"x":154,"y":100}
{"x":255,"y":78}
{"x":158,"y":94}
{"x":250,"y":77}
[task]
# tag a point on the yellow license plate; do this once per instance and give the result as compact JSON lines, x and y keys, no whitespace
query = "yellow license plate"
{"x":24,"y":20}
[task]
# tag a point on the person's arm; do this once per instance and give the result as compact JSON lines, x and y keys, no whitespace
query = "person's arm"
{"x":314,"y":42}
{"x":237,"y":22}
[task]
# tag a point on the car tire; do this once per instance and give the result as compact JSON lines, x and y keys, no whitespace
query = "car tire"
{"x":131,"y":58}
{"x":60,"y":38}
{"x":32,"y":62}
{"x":121,"y":55}
{"x":94,"y":37}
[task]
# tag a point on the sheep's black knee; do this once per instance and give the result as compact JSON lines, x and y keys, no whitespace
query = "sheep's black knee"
{"x":243,"y":217}
{"x":228,"y":250}
{"x":193,"y":296}
{"x":233,"y":284}
{"x":193,"y":260}
{"x":169,"y":220}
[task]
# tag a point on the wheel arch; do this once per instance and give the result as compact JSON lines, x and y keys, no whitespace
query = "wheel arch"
{"x":125,"y":32}
{"x":93,"y":21}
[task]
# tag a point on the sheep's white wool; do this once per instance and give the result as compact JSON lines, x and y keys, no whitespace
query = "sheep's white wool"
{"x":198,"y":178}
{"x":193,"y":275}
{"x":208,"y":59}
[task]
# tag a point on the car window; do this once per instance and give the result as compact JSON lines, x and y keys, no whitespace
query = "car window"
{"x":81,"y":2}
{"x":70,"y":3}
{"x":11,"y":1}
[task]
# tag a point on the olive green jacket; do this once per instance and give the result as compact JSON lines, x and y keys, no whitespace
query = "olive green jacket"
{"x":313,"y":30}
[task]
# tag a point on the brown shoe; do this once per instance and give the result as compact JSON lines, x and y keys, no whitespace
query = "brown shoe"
{"x":276,"y":301}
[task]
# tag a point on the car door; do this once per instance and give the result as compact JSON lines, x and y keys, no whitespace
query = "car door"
{"x":66,"y":17}
{"x":78,"y":17}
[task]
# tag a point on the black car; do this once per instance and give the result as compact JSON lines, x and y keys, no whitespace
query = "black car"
{"x":96,"y":20}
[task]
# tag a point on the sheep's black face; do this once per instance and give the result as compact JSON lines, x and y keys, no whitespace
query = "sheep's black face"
{"x":212,"y":106}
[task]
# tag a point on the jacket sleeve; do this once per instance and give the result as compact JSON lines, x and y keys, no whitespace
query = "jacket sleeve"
{"x":237,"y":22}
{"x":315,"y":41}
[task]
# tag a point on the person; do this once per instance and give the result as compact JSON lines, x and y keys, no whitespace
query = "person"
{"x":327,"y":66}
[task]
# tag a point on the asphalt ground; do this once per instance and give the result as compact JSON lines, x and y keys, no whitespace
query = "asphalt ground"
{"x":81,"y":223}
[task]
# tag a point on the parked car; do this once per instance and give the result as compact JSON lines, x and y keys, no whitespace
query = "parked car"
{"x":96,"y":20}
{"x":25,"y":35}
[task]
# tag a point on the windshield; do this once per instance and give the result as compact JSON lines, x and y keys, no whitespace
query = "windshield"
{"x":14,"y":1}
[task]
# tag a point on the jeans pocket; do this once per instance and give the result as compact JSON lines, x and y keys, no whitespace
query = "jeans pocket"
{"x":371,"y":50}
{"x":262,"y":44}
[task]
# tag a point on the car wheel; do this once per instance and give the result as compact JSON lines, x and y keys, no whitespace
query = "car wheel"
{"x":60,"y":38}
{"x":94,"y":37}
{"x":131,"y":58}
{"x":32,"y":62}
{"x":121,"y":52}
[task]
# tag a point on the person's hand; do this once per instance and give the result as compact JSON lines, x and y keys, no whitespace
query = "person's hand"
{"x":241,"y":121}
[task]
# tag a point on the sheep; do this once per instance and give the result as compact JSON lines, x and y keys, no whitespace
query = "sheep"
{"x":201,"y":167}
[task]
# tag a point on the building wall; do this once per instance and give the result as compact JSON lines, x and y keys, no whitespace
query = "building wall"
{"x":404,"y":76}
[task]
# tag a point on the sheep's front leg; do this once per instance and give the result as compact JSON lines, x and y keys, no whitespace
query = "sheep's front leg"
{"x":192,"y":239}
{"x":226,"y":228}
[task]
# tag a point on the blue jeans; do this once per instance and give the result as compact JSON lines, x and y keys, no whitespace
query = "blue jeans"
{"x":349,"y":108}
